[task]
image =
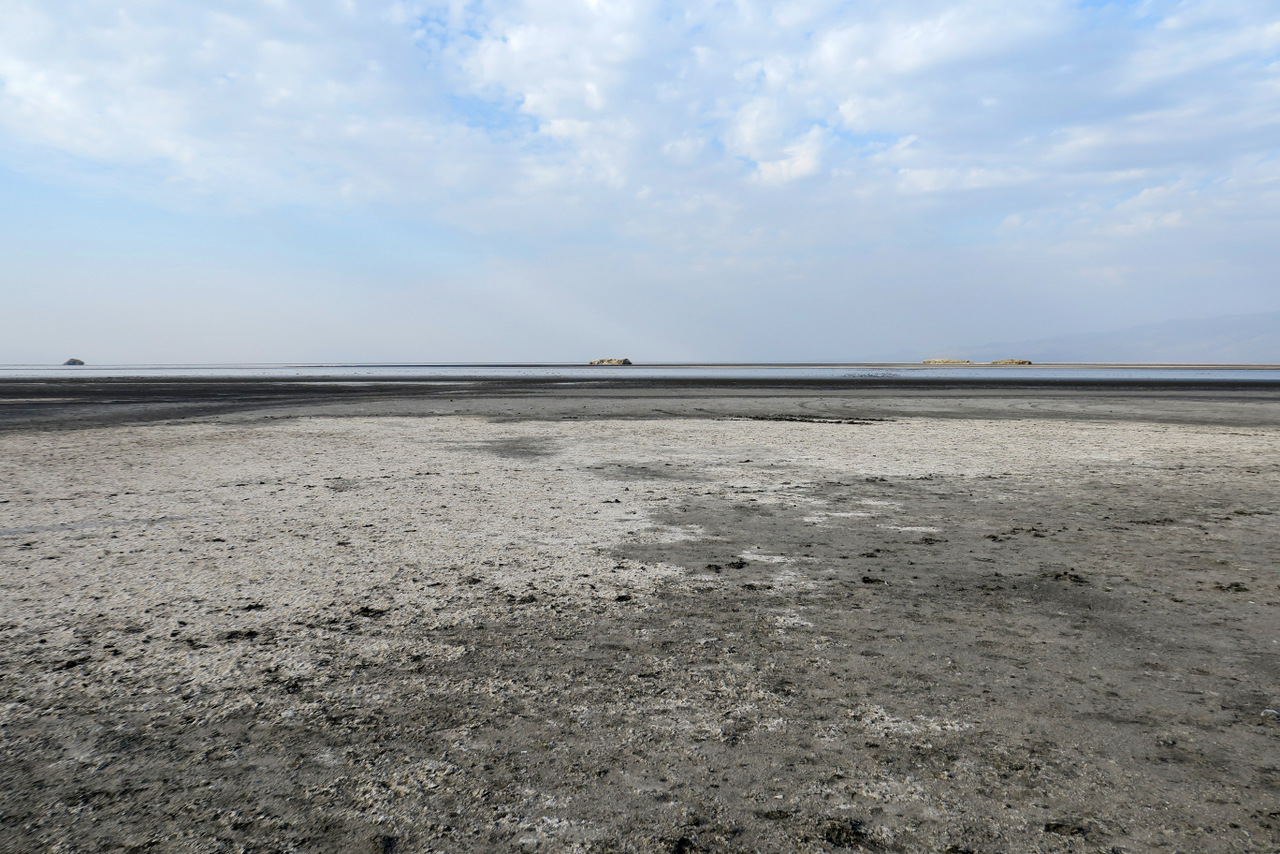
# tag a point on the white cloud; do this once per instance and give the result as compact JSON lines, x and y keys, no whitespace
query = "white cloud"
{"x":800,"y":159}
{"x":288,"y":100}
{"x":680,"y":131}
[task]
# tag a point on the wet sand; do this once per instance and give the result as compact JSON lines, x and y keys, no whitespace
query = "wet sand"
{"x":639,"y":617}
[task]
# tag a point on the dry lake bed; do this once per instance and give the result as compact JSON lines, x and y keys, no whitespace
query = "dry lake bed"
{"x":670,"y":620}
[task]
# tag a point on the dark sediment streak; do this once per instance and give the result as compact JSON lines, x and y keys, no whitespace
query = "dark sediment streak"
{"x":71,"y":403}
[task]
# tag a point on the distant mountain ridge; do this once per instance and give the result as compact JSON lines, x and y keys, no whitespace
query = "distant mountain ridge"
{"x":1230,"y":339}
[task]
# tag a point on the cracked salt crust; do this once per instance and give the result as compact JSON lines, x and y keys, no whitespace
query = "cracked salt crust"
{"x":756,"y":556}
{"x":791,"y":619}
{"x":875,"y":719}
{"x":823,"y":516}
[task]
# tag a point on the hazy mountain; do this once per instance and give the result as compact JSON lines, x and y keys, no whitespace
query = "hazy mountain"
{"x":1238,"y":338}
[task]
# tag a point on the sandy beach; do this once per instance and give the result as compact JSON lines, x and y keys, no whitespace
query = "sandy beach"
{"x":669,"y":619}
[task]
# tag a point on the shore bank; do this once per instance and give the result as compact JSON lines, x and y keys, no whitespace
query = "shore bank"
{"x":641,"y":619}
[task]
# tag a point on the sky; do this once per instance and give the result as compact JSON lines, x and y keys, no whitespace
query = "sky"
{"x":558,"y":180}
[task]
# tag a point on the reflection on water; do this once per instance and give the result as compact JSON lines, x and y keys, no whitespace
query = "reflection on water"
{"x":572,"y":372}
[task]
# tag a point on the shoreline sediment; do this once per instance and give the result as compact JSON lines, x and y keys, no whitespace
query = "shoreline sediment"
{"x":621,"y":619}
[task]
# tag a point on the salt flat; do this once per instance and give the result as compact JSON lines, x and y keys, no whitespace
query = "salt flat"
{"x":665,"y":622}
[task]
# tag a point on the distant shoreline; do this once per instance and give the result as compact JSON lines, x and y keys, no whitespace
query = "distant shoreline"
{"x":765,"y":373}
{"x":239,"y":367}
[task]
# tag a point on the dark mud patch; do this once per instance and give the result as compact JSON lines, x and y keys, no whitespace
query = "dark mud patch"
{"x":814,"y":419}
{"x":657,"y":470}
{"x":1059,"y":646}
{"x":521,"y":448}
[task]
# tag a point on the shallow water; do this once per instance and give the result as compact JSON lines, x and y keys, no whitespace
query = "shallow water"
{"x":740,"y":371}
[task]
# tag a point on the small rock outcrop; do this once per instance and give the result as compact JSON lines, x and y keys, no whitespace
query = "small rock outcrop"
{"x":73,"y":362}
{"x":947,"y":362}
{"x":1012,"y":362}
{"x":609,"y":362}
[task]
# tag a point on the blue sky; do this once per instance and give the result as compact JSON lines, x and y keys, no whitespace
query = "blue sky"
{"x":434,"y":181}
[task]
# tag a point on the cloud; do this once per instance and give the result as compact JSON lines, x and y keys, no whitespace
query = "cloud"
{"x":726,"y":136}
{"x":289,"y":101}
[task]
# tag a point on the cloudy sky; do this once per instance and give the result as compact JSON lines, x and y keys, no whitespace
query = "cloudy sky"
{"x":277,"y":180}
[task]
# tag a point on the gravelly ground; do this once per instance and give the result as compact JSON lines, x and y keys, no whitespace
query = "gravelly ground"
{"x":400,"y":634}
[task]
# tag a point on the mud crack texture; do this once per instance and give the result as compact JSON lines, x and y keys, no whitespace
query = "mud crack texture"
{"x":672,"y":635}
